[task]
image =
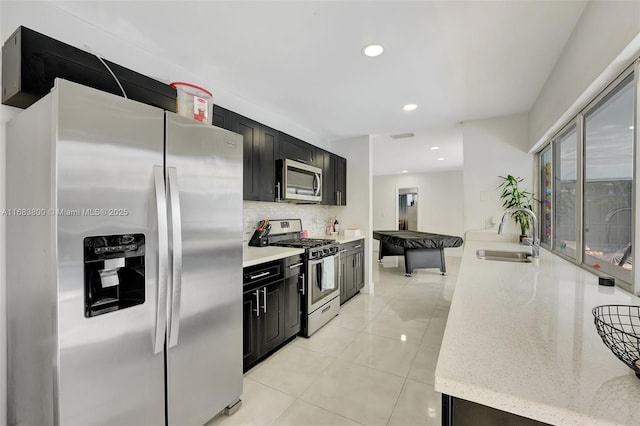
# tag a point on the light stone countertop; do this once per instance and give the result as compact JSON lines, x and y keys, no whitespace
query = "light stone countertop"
{"x":520,"y":338}
{"x":256,"y":255}
{"x":342,"y":239}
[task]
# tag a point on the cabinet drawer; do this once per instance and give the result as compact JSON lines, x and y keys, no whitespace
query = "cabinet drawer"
{"x":261,"y":274}
{"x":352,"y":247}
{"x":292,"y":266}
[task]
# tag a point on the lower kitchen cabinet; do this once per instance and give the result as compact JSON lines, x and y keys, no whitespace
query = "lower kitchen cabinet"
{"x":271,"y":307}
{"x":351,"y":269}
{"x":250,"y":324}
{"x":293,"y":287}
{"x":272,"y":320}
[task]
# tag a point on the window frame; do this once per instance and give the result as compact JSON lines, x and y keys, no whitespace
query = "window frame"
{"x":578,"y":120}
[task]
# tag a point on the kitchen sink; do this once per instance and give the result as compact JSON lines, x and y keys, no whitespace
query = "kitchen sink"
{"x":504,"y":256}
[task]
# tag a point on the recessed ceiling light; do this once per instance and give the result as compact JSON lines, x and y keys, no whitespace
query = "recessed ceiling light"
{"x":373,"y":50}
{"x":435,"y":148}
{"x":409,"y":107}
{"x":440,"y":159}
{"x":405,"y":171}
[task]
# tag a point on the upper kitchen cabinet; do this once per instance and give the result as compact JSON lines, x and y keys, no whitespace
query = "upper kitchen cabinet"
{"x":259,"y":167}
{"x":264,"y":145}
{"x":260,"y":147}
{"x":341,"y":180}
{"x":334,"y":180}
{"x":296,"y":149}
{"x":223,"y":118}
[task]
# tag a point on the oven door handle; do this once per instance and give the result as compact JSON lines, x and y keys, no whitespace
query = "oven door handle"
{"x":315,"y":262}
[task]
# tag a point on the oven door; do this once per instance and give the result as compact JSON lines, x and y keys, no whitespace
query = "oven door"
{"x":316,"y":296}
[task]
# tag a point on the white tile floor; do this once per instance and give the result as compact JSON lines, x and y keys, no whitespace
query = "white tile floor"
{"x":371,"y":365}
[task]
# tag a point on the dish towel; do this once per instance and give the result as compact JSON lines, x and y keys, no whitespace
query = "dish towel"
{"x":328,"y":281}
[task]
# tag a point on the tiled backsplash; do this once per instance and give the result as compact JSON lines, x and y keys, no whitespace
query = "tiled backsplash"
{"x":315,"y":218}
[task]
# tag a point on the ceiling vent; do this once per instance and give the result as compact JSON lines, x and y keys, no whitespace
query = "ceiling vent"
{"x":402,"y":135}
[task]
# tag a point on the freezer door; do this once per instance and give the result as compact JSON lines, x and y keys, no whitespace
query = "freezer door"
{"x":204,"y":357}
{"x":106,"y":148}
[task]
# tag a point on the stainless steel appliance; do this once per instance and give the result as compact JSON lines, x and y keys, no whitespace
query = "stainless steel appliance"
{"x":321,"y":291}
{"x":124,"y":268}
{"x":298,"y":182}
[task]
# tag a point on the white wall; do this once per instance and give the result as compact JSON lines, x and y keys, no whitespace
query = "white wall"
{"x":603,"y":42}
{"x":357,"y":212}
{"x":493,"y":147}
{"x":440,"y":200}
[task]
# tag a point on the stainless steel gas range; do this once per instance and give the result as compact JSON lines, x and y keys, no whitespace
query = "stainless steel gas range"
{"x":320,"y":290}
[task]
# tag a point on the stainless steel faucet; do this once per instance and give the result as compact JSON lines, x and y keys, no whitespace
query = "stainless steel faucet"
{"x":535,"y":248}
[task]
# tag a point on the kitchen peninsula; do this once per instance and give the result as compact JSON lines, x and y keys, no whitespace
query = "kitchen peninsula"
{"x":520,"y":338}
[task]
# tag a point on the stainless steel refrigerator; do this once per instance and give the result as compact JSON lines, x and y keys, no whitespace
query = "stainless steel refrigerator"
{"x":124,"y":263}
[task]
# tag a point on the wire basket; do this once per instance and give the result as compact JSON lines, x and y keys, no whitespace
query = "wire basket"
{"x":619,"y":328}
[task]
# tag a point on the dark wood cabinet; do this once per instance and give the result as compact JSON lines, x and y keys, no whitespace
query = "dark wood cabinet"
{"x":259,"y":165}
{"x":272,"y":316}
{"x":341,"y":180}
{"x":293,"y":306}
{"x":351,"y":269}
{"x":293,"y":292}
{"x":272,"y":307}
{"x":249,"y":130}
{"x":334,"y":180}
{"x":260,"y":145}
{"x":223,"y":118}
{"x":344,"y":259}
{"x":264,"y":145}
{"x":296,"y":149}
{"x":359,"y":270}
{"x":250,"y":327}
{"x":267,"y":174}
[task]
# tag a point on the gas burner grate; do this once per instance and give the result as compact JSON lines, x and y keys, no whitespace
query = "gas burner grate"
{"x":303,"y":243}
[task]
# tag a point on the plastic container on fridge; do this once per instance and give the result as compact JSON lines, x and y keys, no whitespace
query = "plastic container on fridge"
{"x":194,"y":101}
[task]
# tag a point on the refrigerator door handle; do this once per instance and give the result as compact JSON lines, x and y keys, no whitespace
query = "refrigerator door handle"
{"x":176,"y":232}
{"x":163,"y":259}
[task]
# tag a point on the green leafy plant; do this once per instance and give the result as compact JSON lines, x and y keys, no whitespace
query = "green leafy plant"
{"x":513,"y":196}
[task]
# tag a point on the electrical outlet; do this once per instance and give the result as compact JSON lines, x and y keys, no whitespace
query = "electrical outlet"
{"x":490,"y":222}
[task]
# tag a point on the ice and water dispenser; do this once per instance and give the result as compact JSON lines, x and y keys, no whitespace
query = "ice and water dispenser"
{"x":113,"y":273}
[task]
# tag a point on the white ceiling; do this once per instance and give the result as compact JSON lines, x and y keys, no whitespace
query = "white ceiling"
{"x":458,"y":60}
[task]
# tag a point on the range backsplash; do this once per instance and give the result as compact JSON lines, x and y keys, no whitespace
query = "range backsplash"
{"x":315,"y":218}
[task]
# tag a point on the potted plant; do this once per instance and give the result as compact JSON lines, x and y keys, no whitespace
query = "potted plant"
{"x":513,"y":196}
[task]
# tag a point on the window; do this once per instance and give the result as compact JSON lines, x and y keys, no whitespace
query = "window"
{"x":545,"y":196}
{"x":587,"y":184}
{"x":564,"y":192}
{"x":608,"y":182}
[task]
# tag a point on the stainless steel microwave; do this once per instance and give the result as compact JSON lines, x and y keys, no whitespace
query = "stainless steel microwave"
{"x":298,"y":182}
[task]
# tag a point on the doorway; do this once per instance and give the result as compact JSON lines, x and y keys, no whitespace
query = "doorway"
{"x":408,"y":209}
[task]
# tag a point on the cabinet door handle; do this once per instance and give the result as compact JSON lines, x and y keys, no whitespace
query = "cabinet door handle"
{"x":326,"y":309}
{"x":303,"y":285}
{"x":263,"y":274}
{"x":257,"y":310}
{"x":264,"y":300}
{"x":295,"y":266}
{"x":358,"y":246}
